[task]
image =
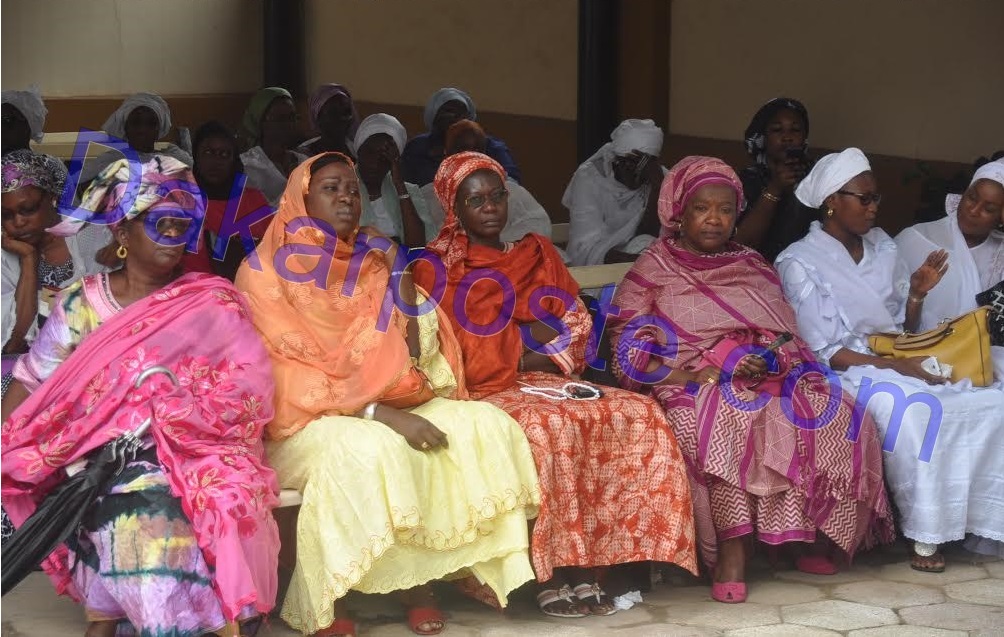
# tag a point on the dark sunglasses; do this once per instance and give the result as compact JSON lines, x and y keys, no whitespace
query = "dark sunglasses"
{"x":496,"y":197}
{"x":866,"y":198}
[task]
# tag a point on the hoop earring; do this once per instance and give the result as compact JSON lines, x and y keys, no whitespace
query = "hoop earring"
{"x":735,"y":231}
{"x":829,"y":212}
{"x":122,"y":252}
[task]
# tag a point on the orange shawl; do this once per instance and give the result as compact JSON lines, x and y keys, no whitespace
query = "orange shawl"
{"x":329,"y":355}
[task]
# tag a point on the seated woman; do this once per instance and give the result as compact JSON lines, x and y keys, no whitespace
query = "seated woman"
{"x":141,"y":120}
{"x":229,"y":200}
{"x":424,"y":153}
{"x":391,"y":205}
{"x":270,"y":128}
{"x":37,"y":262}
{"x":401,"y":485}
{"x":613,"y":484}
{"x":847,"y":280}
{"x":612,"y":199}
{"x":777,"y":141}
{"x":526,"y":215}
{"x":692,"y":309}
{"x":194,"y":506}
{"x":333,"y":114}
{"x":971,"y":235}
{"x":23,"y":119}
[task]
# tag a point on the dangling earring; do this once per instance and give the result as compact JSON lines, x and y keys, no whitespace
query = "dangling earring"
{"x":735,"y":231}
{"x":122,"y":252}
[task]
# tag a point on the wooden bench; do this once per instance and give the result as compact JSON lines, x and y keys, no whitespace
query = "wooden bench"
{"x":62,"y":145}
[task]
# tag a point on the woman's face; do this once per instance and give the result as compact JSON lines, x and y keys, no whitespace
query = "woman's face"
{"x":333,"y":197}
{"x":851,"y":213}
{"x":142,"y":129}
{"x":981,"y":209}
{"x":27,"y":212}
{"x":16,"y":131}
{"x":278,"y":124}
{"x":154,"y":248}
{"x":708,"y":219}
{"x":215,"y":161}
{"x":376,"y":154}
{"x":482,"y":206}
{"x":448,"y":114}
{"x":785,"y":131}
{"x":335,"y":116}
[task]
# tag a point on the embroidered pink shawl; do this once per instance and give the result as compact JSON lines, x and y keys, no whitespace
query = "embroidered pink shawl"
{"x":208,"y":432}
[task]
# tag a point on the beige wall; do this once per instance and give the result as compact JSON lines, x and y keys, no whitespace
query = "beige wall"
{"x":912,"y":78}
{"x":75,"y":48}
{"x":512,"y":56}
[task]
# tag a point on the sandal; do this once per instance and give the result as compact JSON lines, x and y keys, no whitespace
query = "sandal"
{"x":602,"y":606}
{"x":563,"y":597}
{"x":418,"y":615}
{"x":344,"y":627}
{"x":728,"y":592}
{"x":816,"y":565}
{"x":927,"y":558}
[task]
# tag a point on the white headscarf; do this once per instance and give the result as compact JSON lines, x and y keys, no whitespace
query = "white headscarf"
{"x":830,"y":174}
{"x":637,"y":134}
{"x":604,"y":212}
{"x":444,"y":95}
{"x":380,"y":123}
{"x":30,"y":104}
{"x":115,"y":125}
{"x":992,"y":170}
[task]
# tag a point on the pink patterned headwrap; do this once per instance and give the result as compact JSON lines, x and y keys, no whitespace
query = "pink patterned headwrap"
{"x":683,"y":180}
{"x":452,"y":240}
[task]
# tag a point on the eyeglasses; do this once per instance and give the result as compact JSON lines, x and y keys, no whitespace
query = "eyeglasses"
{"x":866,"y":198}
{"x":495,"y":196}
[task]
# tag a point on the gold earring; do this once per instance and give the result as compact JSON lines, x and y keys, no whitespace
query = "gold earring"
{"x":122,"y":252}
{"x":829,"y":212}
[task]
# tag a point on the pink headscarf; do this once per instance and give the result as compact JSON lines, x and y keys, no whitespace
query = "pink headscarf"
{"x":683,"y":180}
{"x":320,"y":97}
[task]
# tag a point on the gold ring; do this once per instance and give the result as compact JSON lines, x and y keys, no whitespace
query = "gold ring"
{"x":710,"y":381}
{"x":425,"y":445}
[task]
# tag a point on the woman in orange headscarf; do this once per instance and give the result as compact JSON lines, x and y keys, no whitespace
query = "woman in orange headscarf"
{"x":400,"y":484}
{"x":613,"y":483}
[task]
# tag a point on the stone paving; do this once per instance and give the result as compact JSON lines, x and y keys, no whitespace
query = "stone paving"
{"x":879,"y":596}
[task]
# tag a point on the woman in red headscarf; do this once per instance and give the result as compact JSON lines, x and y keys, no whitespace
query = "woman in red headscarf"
{"x":612,"y":481}
{"x":773,"y":450}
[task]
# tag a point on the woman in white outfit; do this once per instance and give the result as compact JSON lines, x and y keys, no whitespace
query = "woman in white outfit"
{"x":944,"y":442}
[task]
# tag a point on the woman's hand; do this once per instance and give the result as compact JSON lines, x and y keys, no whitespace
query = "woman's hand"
{"x":784,"y":176}
{"x":706,"y":375}
{"x":421,"y":434}
{"x":752,"y":367}
{"x":394,"y":159}
{"x":912,"y":367}
{"x":929,"y":273}
{"x":22,"y":249}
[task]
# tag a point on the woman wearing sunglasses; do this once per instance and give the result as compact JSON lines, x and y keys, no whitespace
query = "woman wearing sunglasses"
{"x":847,"y":280}
{"x":612,"y":479}
{"x":183,"y":541}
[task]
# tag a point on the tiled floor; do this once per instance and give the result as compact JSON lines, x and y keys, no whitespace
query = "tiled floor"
{"x":877,"y":597}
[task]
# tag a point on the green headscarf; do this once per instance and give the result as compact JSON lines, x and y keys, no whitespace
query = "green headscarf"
{"x":256,"y":111}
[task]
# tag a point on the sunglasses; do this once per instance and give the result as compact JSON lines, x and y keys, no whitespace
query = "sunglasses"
{"x":866,"y":198}
{"x":496,"y":197}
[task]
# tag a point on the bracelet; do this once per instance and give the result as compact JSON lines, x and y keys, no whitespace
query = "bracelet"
{"x":916,"y":299}
{"x":369,"y":412}
{"x":403,"y":197}
{"x":769,"y":196}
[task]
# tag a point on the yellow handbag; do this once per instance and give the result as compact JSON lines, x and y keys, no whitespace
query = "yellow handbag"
{"x":962,"y":342}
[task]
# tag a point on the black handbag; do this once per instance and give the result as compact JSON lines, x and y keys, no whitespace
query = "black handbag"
{"x":994,"y":298}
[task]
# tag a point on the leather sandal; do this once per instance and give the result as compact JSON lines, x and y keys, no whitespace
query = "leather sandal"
{"x":546,"y":598}
{"x":598,"y":602}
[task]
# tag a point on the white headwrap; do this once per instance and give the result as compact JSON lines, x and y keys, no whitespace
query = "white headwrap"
{"x":992,"y":170}
{"x":380,"y":123}
{"x":637,"y":134}
{"x":31,"y":106}
{"x":115,"y":125}
{"x":444,"y":95}
{"x":830,"y":174}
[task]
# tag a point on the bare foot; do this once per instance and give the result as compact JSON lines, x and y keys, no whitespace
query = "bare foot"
{"x":731,"y":565}
{"x":102,"y":628}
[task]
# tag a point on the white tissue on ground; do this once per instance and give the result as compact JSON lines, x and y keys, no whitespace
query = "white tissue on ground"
{"x":627,"y":600}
